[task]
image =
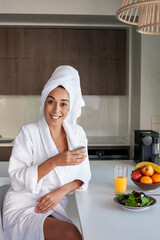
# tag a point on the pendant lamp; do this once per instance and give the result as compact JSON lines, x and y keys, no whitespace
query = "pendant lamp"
{"x":143,"y":13}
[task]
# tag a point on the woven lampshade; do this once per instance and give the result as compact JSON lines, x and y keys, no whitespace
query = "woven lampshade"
{"x":129,"y":11}
{"x":149,"y":19}
{"x":144,"y":13}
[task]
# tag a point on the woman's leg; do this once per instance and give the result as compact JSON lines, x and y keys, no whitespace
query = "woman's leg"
{"x":55,"y":229}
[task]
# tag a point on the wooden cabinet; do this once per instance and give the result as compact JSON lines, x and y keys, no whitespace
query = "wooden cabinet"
{"x":28,"y":56}
{"x":5,"y":153}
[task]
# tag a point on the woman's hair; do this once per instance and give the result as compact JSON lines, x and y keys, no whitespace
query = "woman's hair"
{"x":60,"y":86}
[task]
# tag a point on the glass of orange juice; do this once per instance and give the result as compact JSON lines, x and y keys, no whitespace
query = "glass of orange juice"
{"x":120,"y":179}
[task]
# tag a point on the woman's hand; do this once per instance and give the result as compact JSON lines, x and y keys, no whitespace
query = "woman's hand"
{"x":67,"y":158}
{"x":48,"y":201}
{"x":71,"y":157}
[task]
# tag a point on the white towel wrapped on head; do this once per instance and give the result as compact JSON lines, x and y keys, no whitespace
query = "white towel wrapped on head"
{"x":67,"y":77}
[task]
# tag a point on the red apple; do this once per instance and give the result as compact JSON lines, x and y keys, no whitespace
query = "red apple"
{"x":147,"y":170}
{"x":136,"y":175}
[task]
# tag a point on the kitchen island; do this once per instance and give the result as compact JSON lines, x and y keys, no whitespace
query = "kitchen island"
{"x":102,"y":219}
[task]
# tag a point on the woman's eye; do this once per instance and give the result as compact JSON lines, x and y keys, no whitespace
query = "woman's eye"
{"x":50,"y":102}
{"x":64,"y":104}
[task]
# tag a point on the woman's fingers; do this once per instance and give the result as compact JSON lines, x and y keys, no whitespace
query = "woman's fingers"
{"x":48,"y":201}
{"x":78,"y":151}
{"x":77,"y":159}
{"x":45,"y":208}
{"x":43,"y":201}
{"x":45,"y":205}
{"x":77,"y":156}
{"x":48,"y":207}
{"x":75,"y":152}
{"x":71,"y":157}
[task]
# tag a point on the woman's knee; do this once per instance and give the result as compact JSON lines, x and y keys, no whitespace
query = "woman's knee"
{"x":72,"y":233}
{"x":57,"y":229}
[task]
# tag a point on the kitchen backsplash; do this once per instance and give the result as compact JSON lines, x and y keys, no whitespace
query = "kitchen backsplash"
{"x":102,"y":115}
{"x":155,"y":123}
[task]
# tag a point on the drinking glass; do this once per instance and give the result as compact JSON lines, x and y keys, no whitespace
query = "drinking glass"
{"x":120,"y":180}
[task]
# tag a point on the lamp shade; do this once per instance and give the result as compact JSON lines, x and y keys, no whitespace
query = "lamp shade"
{"x":129,"y":11}
{"x":144,"y":13}
{"x":149,"y":19}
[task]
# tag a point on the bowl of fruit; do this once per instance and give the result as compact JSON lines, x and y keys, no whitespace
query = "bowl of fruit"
{"x":146,"y":176}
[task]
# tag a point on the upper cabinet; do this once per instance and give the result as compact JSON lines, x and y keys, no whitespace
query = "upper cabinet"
{"x":28,"y":56}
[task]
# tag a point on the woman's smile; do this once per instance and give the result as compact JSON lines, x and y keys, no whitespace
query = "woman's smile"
{"x":55,"y":117}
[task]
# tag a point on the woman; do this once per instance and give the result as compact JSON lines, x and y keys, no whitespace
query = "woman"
{"x":44,"y":166}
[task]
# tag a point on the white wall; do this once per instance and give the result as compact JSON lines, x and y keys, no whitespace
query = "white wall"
{"x":16,"y":111}
{"x":89,"y":7}
{"x":145,"y":87}
{"x":150,"y":80}
{"x":135,"y":93}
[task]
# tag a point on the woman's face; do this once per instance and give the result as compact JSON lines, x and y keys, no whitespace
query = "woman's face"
{"x":56,"y":106}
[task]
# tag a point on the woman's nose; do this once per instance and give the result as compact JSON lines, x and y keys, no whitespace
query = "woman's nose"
{"x":56,"y":108}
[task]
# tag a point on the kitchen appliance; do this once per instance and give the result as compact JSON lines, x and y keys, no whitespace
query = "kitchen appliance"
{"x":108,"y":153}
{"x":145,"y":145}
{"x":156,"y":150}
{"x":108,"y":148}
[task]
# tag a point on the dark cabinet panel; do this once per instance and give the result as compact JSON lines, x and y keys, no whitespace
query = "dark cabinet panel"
{"x":9,"y":43}
{"x":112,"y":44}
{"x":9,"y":76}
{"x":31,"y":43}
{"x":28,"y":56}
{"x":106,"y":77}
{"x":32,"y":76}
{"x":5,"y":153}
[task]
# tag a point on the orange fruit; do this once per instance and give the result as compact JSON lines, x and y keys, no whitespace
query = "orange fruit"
{"x":146,"y":180}
{"x":156,"y":178}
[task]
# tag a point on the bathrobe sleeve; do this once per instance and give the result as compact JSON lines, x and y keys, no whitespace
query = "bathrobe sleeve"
{"x":84,"y":173}
{"x":22,"y":170}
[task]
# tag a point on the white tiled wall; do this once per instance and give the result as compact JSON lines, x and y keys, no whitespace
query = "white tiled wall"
{"x":155,"y":123}
{"x":150,"y":81}
{"x":16,"y":111}
{"x":102,"y":115}
{"x":4,"y":177}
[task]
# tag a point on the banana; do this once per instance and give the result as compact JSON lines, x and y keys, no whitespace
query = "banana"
{"x":155,"y":166}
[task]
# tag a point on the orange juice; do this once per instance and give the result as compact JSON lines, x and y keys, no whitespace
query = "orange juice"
{"x":120,"y":184}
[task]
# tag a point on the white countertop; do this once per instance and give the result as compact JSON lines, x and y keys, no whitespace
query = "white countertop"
{"x":6,"y":144}
{"x":95,"y":141}
{"x":102,"y":219}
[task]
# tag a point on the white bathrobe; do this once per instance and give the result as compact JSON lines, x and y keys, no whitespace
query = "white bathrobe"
{"x":32,"y":146}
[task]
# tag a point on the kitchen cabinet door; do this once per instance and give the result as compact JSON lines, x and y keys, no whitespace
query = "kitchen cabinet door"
{"x":107,"y":77}
{"x":28,"y":56}
{"x":9,"y":76}
{"x":5,"y":153}
{"x":9,"y":43}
